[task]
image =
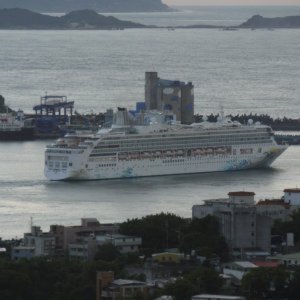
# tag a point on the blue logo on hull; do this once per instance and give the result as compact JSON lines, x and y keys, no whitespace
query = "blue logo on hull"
{"x":128,"y":172}
{"x":237,"y":165}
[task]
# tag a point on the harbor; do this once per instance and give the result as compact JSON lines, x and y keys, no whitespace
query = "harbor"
{"x":86,"y":135}
{"x":55,"y":115}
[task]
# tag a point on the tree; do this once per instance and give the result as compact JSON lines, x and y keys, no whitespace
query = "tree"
{"x":198,"y":280}
{"x":294,"y":285}
{"x":283,"y":227}
{"x":158,"y":231}
{"x":107,"y":252}
{"x":182,"y":289}
{"x":15,"y":286}
{"x":256,"y":284}
{"x":204,"y":236}
{"x":206,"y":280}
{"x":262,"y":283}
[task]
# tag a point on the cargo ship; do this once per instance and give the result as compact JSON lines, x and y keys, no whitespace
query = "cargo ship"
{"x":14,"y":128}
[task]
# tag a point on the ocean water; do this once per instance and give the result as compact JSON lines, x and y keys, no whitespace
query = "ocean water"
{"x":25,"y":193}
{"x":244,"y":71}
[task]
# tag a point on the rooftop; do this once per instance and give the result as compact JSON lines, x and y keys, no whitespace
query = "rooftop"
{"x":114,"y":236}
{"x":122,"y":282}
{"x":267,"y":264}
{"x":24,"y":247}
{"x":289,"y":256}
{"x":209,"y":296}
{"x":241,"y":193}
{"x":295,"y":190}
{"x":245,"y":264}
{"x":278,"y":202}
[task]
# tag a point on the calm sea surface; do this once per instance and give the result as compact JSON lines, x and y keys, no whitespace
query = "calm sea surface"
{"x":244,"y":71}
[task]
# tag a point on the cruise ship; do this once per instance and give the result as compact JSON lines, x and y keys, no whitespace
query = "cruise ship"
{"x":152,"y":144}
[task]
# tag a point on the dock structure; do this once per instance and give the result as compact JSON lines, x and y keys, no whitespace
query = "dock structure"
{"x":52,"y":105}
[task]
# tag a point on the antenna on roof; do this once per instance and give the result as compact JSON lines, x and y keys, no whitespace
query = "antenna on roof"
{"x":222,"y":112}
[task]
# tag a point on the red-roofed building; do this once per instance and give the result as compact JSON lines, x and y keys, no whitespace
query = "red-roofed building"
{"x":241,"y":193}
{"x":275,"y":209}
{"x":241,"y":197}
{"x":296,"y":190}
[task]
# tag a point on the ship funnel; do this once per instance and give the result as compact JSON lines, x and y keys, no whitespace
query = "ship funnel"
{"x":122,"y":117}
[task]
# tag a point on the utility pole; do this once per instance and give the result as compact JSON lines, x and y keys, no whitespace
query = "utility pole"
{"x":167,"y":234}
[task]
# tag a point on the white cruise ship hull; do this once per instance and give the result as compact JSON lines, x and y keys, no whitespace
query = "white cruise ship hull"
{"x":79,"y":167}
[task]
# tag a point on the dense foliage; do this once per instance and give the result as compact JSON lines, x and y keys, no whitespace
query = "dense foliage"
{"x":107,"y":252}
{"x":197,"y":281}
{"x":204,"y":236}
{"x":163,"y":231}
{"x":293,"y":225}
{"x":56,"y":279}
{"x":64,"y":278}
{"x":268,"y":283}
{"x":157,"y":231}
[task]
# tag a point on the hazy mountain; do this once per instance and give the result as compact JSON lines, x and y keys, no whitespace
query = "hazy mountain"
{"x":97,"y":5}
{"x":258,"y":21}
{"x":17,"y":18}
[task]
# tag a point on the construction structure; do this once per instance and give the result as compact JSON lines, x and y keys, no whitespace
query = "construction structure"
{"x":55,"y":106}
{"x":173,"y":95}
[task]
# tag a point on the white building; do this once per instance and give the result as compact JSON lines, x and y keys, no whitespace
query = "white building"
{"x":292,"y":196}
{"x":124,"y":243}
{"x":240,"y":223}
{"x":20,"y":252}
{"x":35,"y":243}
{"x":85,"y":248}
{"x":289,"y":260}
{"x":238,"y":269}
{"x":274,"y":209}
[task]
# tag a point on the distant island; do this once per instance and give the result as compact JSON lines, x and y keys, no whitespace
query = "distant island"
{"x":258,"y":21}
{"x":97,"y":5}
{"x":18,"y":18}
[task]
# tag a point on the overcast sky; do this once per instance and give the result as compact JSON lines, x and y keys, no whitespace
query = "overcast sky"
{"x":232,"y":2}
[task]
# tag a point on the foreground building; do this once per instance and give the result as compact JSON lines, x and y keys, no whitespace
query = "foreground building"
{"x":81,"y":241}
{"x":36,"y":243}
{"x":289,"y":260}
{"x":240,"y":223}
{"x":238,"y":269}
{"x":66,"y":235}
{"x":107,"y":288}
{"x":280,"y":208}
